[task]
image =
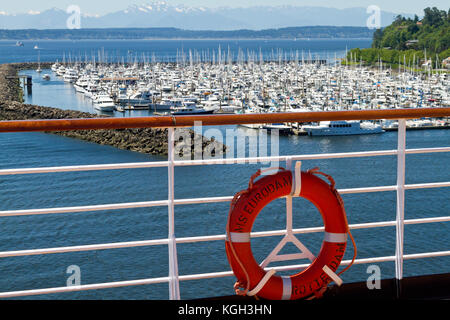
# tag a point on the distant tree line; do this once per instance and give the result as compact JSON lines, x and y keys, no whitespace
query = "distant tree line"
{"x":409,"y":40}
{"x":409,"y":57}
{"x":431,"y":33}
{"x":323,"y":32}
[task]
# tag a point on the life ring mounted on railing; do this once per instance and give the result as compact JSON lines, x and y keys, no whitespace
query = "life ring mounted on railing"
{"x":252,"y":278}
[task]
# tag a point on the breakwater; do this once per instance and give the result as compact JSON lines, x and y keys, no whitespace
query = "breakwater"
{"x":144,"y":140}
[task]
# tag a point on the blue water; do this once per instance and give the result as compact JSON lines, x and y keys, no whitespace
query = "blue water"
{"x":167,"y":50}
{"x":21,"y":150}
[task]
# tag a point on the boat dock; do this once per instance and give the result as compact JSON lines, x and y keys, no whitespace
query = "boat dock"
{"x":252,"y":86}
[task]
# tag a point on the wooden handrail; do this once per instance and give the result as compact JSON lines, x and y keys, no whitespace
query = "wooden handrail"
{"x":216,"y":119}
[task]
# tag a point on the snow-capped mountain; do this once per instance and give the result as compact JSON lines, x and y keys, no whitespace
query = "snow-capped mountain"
{"x":162,"y":14}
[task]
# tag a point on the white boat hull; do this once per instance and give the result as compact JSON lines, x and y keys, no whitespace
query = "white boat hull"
{"x":105,"y":108}
{"x":331,"y":133}
{"x":157,"y":106}
{"x":341,"y":128}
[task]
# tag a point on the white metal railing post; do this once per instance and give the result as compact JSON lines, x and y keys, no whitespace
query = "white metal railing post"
{"x":174,"y":282}
{"x":400,"y":219}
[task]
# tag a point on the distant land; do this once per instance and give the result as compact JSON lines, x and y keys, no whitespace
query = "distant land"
{"x":316,"y":32}
{"x":410,"y":42}
{"x":160,"y":14}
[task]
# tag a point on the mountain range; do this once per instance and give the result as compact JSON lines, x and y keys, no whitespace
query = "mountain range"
{"x":160,"y":14}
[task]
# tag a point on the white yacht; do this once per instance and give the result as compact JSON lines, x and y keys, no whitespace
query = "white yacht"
{"x":280,"y":127}
{"x":55,"y":66}
{"x":104,"y":103}
{"x":140,"y":98}
{"x":70,"y":76}
{"x":251,"y":125}
{"x":342,"y":128}
{"x":167,"y":104}
{"x":61,"y":71}
{"x":81,"y":84}
{"x":92,"y":90}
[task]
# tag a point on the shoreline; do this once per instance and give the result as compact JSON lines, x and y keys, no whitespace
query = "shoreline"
{"x":184,"y":39}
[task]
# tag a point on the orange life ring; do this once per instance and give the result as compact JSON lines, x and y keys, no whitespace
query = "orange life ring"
{"x":245,"y":209}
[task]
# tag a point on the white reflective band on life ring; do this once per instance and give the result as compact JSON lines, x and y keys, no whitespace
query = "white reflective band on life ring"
{"x":262,"y":283}
{"x":335,"y":237}
{"x":238,"y":237}
{"x":287,"y":288}
{"x":297,"y":180}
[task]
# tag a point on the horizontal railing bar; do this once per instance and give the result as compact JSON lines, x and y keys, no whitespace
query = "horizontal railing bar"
{"x":427,"y":220}
{"x":159,"y":164}
{"x":203,"y":200}
{"x":118,"y":206}
{"x":217,"y":119}
{"x":98,"y":167}
{"x":105,"y":246}
{"x":367,"y":189}
{"x":393,"y":188}
{"x":159,"y":203}
{"x":343,"y":263}
{"x":427,"y":150}
{"x":426,"y":255}
{"x":15,"y":294}
{"x":146,"y":243}
{"x":427,"y":185}
{"x":286,"y":157}
{"x":24,"y":293}
{"x":191,"y":201}
{"x":307,"y":157}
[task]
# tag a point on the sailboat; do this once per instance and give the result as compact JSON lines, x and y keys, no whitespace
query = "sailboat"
{"x":39,"y":63}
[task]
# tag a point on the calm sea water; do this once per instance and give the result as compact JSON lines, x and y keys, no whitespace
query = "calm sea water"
{"x":88,"y":188}
{"x":167,"y":50}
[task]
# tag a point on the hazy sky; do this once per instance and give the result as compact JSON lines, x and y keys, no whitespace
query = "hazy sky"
{"x":106,"y":6}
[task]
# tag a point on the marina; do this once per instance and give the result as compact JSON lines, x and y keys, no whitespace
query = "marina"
{"x":252,"y":85}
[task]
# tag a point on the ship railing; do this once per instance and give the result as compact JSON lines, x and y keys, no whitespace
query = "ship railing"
{"x":171,"y":122}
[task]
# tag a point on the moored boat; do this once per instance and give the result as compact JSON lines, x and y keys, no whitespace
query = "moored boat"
{"x":190,"y":110}
{"x":341,"y":128}
{"x":104,"y":103}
